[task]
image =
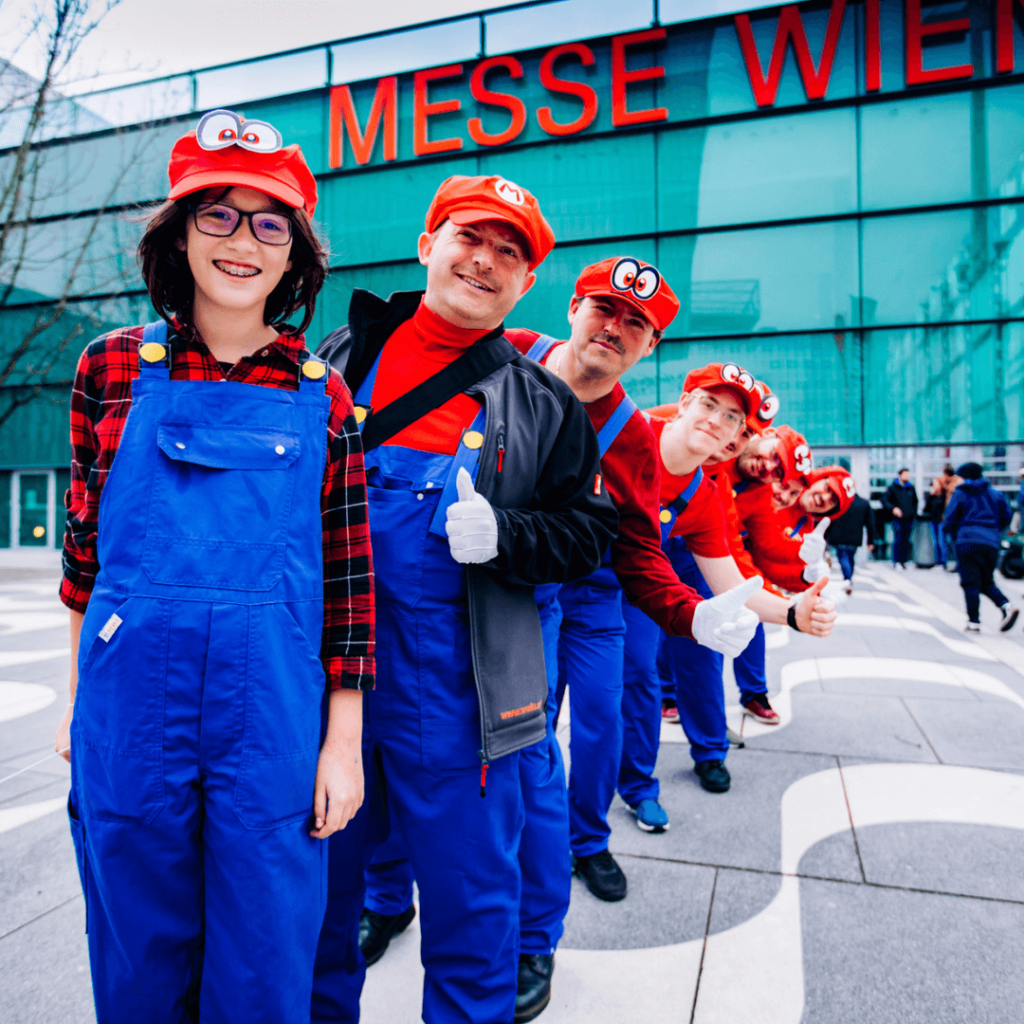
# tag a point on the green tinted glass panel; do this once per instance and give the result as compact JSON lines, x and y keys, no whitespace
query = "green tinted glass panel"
{"x":589,"y":188}
{"x":817,"y":377}
{"x":771,"y":279}
{"x":955,"y":265}
{"x":62,"y":478}
{"x":806,"y":166}
{"x":32,"y":510}
{"x":378,"y":215}
{"x":5,"y":509}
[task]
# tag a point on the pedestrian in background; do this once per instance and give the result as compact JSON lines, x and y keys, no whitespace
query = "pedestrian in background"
{"x":949,"y":481}
{"x":846,"y":534}
{"x":935,"y":510}
{"x":900,"y":501}
{"x":976,"y":517}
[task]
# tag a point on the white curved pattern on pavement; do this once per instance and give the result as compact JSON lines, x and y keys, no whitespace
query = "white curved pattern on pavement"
{"x":30,"y":622}
{"x":9,"y":658}
{"x":20,"y":699}
{"x":12,"y":817}
{"x":812,"y":670}
{"x":906,"y":606}
{"x":813,"y":809}
{"x":777,"y":639}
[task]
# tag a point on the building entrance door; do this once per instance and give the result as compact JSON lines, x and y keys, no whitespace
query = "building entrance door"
{"x":34,"y":508}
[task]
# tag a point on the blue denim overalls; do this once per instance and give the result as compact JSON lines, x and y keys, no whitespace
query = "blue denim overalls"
{"x":422,"y":742}
{"x":197,"y":719}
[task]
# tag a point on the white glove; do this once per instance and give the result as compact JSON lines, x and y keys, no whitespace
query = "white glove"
{"x":813,"y":547}
{"x":835,"y":593}
{"x":813,"y":572}
{"x":472,"y":526}
{"x":723,"y":623}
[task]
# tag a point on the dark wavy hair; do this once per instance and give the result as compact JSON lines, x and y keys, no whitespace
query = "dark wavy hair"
{"x":169,"y":278}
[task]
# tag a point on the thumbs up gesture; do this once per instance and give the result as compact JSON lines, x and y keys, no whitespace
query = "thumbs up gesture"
{"x":723,"y":623}
{"x":813,"y":547}
{"x":472,"y":526}
{"x":815,"y":613}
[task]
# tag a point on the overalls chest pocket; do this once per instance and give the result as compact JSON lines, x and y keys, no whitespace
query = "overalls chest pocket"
{"x":220,"y":506}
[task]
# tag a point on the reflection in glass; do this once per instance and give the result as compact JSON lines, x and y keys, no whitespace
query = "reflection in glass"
{"x":137,"y":103}
{"x":294,"y":72}
{"x":955,"y":265}
{"x":562,"y":22}
{"x":429,"y":47}
{"x":772,"y":279}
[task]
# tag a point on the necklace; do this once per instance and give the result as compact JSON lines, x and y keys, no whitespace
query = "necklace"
{"x":556,"y":361}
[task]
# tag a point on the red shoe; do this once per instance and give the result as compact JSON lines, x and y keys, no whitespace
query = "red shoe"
{"x":761,"y":711}
{"x":669,"y":711}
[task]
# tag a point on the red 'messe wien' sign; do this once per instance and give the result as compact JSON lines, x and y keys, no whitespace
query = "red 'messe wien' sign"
{"x":764,"y":70}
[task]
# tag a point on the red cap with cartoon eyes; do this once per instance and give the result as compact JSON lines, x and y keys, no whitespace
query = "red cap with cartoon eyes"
{"x":465,"y":200}
{"x":634,"y":281}
{"x":725,"y":375}
{"x":227,"y":150}
{"x":841,"y":483}
{"x":794,"y":451}
{"x":761,"y":418}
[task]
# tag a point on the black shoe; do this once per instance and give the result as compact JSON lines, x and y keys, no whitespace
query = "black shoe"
{"x":714,"y":776}
{"x":604,"y":878}
{"x":534,"y":988}
{"x":377,"y":930}
{"x":1010,"y":613}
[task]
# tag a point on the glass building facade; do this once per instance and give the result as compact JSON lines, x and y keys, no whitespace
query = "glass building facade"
{"x":834,"y":190}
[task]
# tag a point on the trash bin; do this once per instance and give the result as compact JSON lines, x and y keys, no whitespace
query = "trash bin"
{"x":924,"y":547}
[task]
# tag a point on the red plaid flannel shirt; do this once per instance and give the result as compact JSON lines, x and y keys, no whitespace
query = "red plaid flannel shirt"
{"x":99,"y":407}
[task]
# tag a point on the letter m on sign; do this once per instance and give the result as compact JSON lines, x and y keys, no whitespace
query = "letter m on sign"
{"x":345,"y":121}
{"x":790,"y":30}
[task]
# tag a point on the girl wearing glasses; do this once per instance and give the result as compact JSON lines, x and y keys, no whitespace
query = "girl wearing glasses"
{"x":217,"y":568}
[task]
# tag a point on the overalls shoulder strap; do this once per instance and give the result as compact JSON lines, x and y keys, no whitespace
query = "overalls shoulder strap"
{"x":740,"y":486}
{"x":364,"y":393}
{"x":541,"y":347}
{"x":618,"y":419}
{"x":466,"y":457}
{"x":154,"y":353}
{"x":678,"y":506}
{"x":799,"y":526}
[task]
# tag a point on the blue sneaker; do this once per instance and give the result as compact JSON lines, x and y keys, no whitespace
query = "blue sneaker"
{"x":651,"y":816}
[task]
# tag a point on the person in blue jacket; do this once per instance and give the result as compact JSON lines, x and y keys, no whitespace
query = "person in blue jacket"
{"x":976,"y":516}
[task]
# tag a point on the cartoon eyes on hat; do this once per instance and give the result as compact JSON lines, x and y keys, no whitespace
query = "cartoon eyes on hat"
{"x":734,"y":375}
{"x":802,"y":458}
{"x":221,"y":128}
{"x":627,"y":276}
{"x":849,"y":487}
{"x":768,"y":408}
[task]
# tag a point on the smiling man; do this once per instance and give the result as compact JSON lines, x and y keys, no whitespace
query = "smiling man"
{"x":484,"y":482}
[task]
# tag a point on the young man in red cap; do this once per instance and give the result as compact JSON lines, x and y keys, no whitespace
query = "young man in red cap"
{"x":484,"y":482}
{"x":709,"y":565}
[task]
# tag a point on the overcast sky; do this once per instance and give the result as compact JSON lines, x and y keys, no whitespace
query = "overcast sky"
{"x":147,"y":38}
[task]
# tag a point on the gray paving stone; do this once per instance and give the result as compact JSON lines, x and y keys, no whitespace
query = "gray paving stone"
{"x":45,"y":970}
{"x":875,"y":727}
{"x":666,"y":903}
{"x":896,"y":688}
{"x":967,"y":859}
{"x":983,"y":735}
{"x":37,"y":863}
{"x":739,"y":896}
{"x":741,"y":828}
{"x":885,"y":957}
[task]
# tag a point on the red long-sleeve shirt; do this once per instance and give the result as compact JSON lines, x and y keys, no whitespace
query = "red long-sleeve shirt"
{"x":631,"y":469}
{"x":100,"y":403}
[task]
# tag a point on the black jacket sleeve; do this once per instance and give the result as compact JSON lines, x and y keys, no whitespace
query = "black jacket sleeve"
{"x":564,"y":532}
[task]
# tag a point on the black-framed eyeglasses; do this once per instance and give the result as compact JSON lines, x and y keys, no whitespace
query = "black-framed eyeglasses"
{"x":222,"y":220}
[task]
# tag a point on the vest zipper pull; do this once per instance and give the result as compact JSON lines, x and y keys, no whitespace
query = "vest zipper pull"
{"x":483,"y":779}
{"x":501,"y":452}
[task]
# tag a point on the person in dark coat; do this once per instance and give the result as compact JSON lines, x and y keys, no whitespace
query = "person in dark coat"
{"x":900,"y":501}
{"x":976,"y":517}
{"x":846,"y":534}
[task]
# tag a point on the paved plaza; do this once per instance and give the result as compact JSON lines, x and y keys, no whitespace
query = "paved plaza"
{"x":865,"y":867}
